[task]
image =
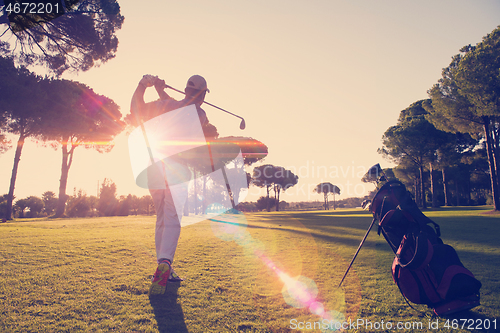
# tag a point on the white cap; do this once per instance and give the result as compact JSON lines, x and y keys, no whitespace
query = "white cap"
{"x":197,"y":82}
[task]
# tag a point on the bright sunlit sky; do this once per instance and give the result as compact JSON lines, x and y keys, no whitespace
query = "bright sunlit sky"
{"x":318,"y":82}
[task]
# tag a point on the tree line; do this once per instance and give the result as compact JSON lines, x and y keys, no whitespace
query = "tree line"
{"x":447,"y":147}
{"x":278,"y":179}
{"x":107,"y":203}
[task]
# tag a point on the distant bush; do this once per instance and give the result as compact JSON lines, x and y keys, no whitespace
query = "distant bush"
{"x":80,"y":205}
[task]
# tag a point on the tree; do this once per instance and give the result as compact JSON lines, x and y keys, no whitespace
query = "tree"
{"x":5,"y":144}
{"x":480,"y":184}
{"x":92,"y":200}
{"x":408,"y":173}
{"x":456,"y":148}
{"x":3,"y":205}
{"x":146,"y":205}
{"x":50,"y":202}
{"x":124,"y":205}
{"x":479,"y":82}
{"x":283,"y":180}
{"x":252,"y":150}
{"x":414,"y":139}
{"x":77,"y":116}
{"x":79,"y":205}
{"x":467,"y":98}
{"x":21,"y":110}
{"x":247,"y":206}
{"x":264,"y":176}
{"x":265,"y":203}
{"x":35,"y":206}
{"x":108,"y":202}
{"x":327,"y":188}
{"x":83,"y":37}
{"x":350,"y":202}
{"x":20,"y":207}
{"x":134,"y":204}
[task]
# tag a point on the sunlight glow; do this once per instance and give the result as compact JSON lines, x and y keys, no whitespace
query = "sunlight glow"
{"x":298,"y":292}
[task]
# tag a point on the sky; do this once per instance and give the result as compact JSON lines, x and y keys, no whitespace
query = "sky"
{"x":318,"y":82}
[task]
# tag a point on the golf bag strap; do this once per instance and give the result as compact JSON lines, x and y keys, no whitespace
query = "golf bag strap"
{"x":422,"y":255}
{"x":381,"y":218}
{"x":387,"y":217}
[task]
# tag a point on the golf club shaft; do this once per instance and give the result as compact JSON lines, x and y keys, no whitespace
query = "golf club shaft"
{"x":150,"y":151}
{"x":357,"y":251}
{"x":182,"y":92}
{"x":147,"y":142}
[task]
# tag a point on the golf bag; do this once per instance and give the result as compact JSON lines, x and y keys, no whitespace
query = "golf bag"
{"x":426,"y":270}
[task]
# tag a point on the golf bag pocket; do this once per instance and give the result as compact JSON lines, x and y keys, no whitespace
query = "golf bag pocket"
{"x":433,"y":275}
{"x":411,"y":271}
{"x":418,"y":287}
{"x":455,"y":281}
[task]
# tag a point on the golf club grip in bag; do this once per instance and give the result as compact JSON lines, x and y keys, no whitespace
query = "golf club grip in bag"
{"x":425,"y":270}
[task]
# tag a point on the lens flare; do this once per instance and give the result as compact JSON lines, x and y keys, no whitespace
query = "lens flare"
{"x":300,"y":291}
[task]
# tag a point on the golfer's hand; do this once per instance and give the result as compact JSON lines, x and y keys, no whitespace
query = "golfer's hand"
{"x":148,"y":80}
{"x":159,"y":84}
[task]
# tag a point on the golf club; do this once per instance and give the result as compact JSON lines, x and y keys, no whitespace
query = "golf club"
{"x":150,"y":151}
{"x":357,"y":251}
{"x":375,"y":174}
{"x":242,"y":124}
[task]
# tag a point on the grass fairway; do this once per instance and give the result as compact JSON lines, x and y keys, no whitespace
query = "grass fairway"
{"x":92,"y":275}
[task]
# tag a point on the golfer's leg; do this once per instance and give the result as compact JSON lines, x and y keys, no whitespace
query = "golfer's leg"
{"x":168,"y":226}
{"x":158,"y":200}
{"x":162,"y":273}
{"x":171,"y":229}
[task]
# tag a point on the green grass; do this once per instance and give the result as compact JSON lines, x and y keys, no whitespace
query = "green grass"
{"x":92,"y":275}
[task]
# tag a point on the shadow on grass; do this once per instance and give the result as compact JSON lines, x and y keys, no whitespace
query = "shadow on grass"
{"x":321,"y":232}
{"x":482,"y":230}
{"x":168,"y":312}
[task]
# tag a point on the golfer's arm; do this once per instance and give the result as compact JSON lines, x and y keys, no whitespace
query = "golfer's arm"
{"x":138,"y":108}
{"x":161,"y":92}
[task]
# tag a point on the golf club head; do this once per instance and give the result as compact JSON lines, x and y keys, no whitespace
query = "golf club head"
{"x":242,"y":125}
{"x":366,"y":204}
{"x":374,"y":174}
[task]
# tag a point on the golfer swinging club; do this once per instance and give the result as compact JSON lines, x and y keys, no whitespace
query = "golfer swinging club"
{"x":168,"y":223}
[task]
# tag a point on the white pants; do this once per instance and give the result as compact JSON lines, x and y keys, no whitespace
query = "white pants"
{"x":168,"y":224}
